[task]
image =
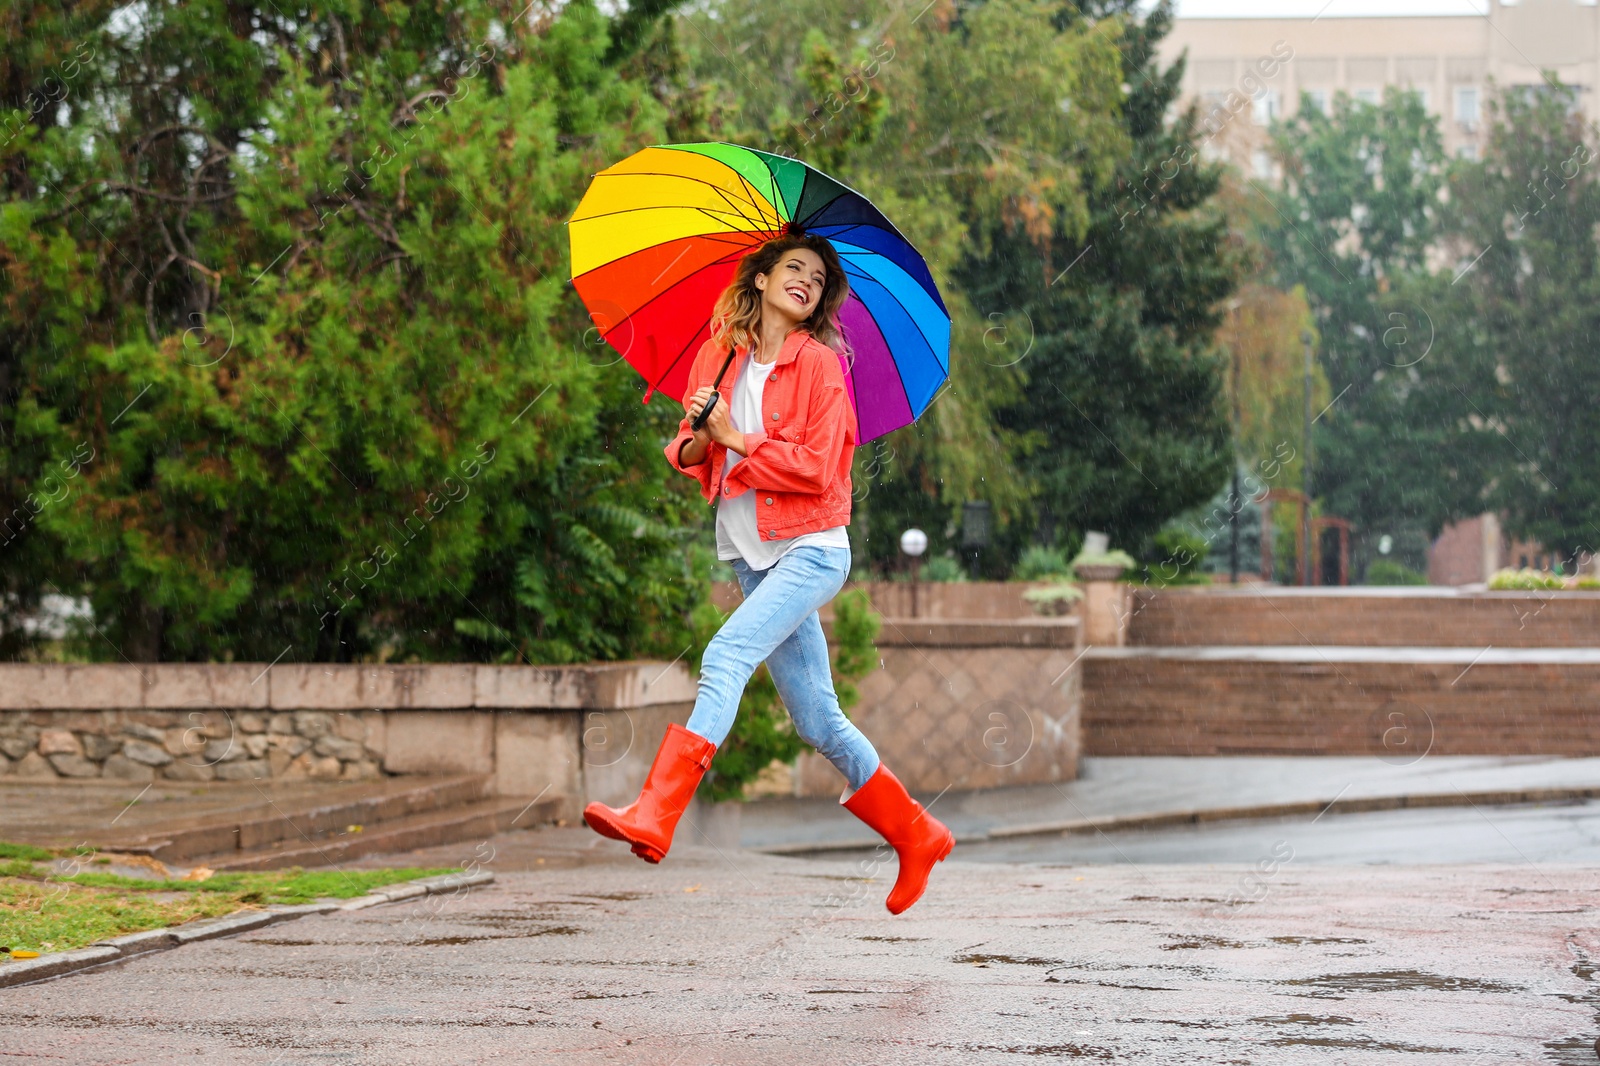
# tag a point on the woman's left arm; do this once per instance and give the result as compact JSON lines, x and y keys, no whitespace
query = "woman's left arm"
{"x":789,"y":467}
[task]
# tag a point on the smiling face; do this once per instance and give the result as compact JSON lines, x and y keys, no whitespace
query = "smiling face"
{"x":794,"y":287}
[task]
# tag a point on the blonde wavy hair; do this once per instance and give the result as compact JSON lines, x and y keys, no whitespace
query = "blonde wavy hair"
{"x":736,"y":319}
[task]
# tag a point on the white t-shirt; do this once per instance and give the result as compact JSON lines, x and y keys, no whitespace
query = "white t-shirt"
{"x":737,"y":535}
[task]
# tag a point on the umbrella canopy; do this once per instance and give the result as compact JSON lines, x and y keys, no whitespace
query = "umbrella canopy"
{"x":658,"y":237}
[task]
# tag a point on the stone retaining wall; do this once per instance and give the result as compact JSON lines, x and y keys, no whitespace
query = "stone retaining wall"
{"x":966,"y":704}
{"x":524,"y":726}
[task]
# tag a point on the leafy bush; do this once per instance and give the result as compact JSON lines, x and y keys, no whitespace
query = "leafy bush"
{"x":1180,"y":550}
{"x":1389,"y":572}
{"x":1039,"y":563}
{"x":1179,"y":554}
{"x":943,"y":568}
{"x":1054,"y":598}
{"x":1115,"y":557}
{"x":1525,"y":579}
{"x":1589,"y":582}
{"x":763,"y":732}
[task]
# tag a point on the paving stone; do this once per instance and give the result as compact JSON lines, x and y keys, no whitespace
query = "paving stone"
{"x":183,"y":770}
{"x":33,"y":765}
{"x":244,"y":770}
{"x":74,"y":766}
{"x":313,"y":724}
{"x":125,"y":769}
{"x":343,"y":750}
{"x":212,"y":928}
{"x":59,"y":742}
{"x":146,"y":752}
{"x":16,"y":747}
{"x":19,"y":971}
{"x":138,"y":943}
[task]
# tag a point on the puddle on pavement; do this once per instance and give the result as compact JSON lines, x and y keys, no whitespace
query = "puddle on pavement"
{"x":1071,"y":1051}
{"x":611,"y":995}
{"x":893,"y":939}
{"x":1317,"y":940}
{"x":1363,"y":1043}
{"x":1187,"y":942}
{"x":443,"y":941}
{"x":1014,"y":960}
{"x":1176,"y":899}
{"x":1397,"y":981}
{"x":617,"y":897}
{"x":278,"y":943}
{"x":1305,"y":1019}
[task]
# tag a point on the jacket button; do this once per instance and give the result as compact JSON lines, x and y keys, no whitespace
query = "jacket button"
{"x":769,"y":501}
{"x":774,"y":416}
{"x":772,"y":532}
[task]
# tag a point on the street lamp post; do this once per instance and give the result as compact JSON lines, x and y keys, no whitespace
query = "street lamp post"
{"x":914,"y":542}
{"x":1233,"y":493}
{"x":1305,"y":445}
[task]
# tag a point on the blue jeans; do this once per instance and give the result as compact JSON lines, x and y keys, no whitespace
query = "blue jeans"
{"x":777,"y":623}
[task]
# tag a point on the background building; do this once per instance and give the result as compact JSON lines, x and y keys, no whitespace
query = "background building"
{"x":1453,"y":61}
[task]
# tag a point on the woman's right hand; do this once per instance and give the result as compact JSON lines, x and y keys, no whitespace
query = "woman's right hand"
{"x":694,"y":450}
{"x":692,"y":409}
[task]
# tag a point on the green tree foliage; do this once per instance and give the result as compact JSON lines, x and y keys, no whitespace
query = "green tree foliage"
{"x":1121,"y":413}
{"x":289,"y":364}
{"x":1360,"y":210}
{"x":994,"y":135}
{"x":1519,"y":325}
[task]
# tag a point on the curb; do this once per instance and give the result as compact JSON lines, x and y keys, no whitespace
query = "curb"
{"x":103,"y":952}
{"x":1166,"y":819}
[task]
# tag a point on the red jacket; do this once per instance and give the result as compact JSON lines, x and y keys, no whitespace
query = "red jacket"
{"x":799,"y":463}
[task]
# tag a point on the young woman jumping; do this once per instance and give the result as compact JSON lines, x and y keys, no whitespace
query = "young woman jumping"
{"x":774,"y":455}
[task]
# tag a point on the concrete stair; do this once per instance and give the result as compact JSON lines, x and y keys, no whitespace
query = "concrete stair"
{"x":1363,"y":617}
{"x":312,"y":827}
{"x":472,"y":821}
{"x":1396,"y":673}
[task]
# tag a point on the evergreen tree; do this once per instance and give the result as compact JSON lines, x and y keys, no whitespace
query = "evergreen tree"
{"x":289,"y":364}
{"x":1121,"y":412}
{"x":1520,"y":313}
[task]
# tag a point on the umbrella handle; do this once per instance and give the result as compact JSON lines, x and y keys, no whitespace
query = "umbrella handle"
{"x":711,"y":401}
{"x":699,"y":422}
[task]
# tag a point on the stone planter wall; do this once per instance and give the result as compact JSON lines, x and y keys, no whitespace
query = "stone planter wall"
{"x":533,"y":730}
{"x":209,"y":745}
{"x":967,"y":704}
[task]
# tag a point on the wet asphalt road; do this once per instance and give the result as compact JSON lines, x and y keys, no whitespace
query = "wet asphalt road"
{"x":579,"y":954}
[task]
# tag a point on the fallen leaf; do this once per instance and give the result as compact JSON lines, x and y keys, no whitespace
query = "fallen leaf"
{"x":692,"y":888}
{"x":24,"y":954}
{"x":352,"y":829}
{"x":199,"y":873}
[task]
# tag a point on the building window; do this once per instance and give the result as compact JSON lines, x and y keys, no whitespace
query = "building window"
{"x":1261,"y":163}
{"x":1367,"y":96}
{"x":1424,"y":95}
{"x":1317,"y":100}
{"x":1265,"y":107}
{"x":1469,"y":152}
{"x":1467,"y":107}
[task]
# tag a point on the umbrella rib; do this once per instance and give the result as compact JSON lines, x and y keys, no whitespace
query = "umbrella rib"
{"x":675,"y":207}
{"x":913,"y":318}
{"x":685,"y":177}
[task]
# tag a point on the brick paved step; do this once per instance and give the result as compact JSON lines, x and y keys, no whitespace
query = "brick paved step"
{"x":1398,"y":704}
{"x":1400,"y":617}
{"x":252,"y":826}
{"x":474,"y":821}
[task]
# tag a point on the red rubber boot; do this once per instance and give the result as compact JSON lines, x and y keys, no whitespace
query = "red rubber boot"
{"x":917,"y":837}
{"x":647,"y":823}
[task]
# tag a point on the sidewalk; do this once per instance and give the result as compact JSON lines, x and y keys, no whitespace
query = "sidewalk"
{"x":1133,"y":793}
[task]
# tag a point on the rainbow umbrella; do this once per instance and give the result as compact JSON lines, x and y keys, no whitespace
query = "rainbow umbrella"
{"x":658,"y":236}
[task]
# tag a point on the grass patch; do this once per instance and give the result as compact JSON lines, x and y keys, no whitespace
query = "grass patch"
{"x":25,"y":851}
{"x":43,"y":912}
